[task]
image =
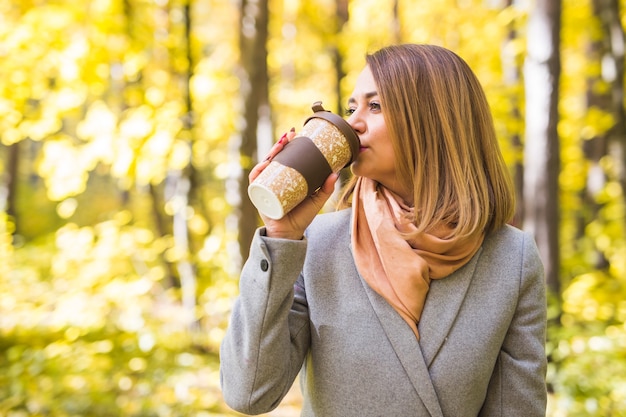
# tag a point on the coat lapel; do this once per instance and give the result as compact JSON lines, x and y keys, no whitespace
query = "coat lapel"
{"x":442,"y":306}
{"x":435,"y":324}
{"x":408,"y":350}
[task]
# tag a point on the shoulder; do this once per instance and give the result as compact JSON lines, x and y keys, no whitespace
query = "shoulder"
{"x":510,"y":248}
{"x":509,"y":238}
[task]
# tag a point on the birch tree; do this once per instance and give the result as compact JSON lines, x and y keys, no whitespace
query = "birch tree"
{"x":541,"y":155}
{"x":253,"y":32}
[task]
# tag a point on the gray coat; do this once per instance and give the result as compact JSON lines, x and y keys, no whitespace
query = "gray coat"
{"x":303,"y":306}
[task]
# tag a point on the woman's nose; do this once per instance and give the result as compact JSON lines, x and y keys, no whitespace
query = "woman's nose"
{"x":356,"y":123}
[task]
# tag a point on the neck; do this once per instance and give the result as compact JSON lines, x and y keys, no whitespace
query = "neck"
{"x":402,"y":192}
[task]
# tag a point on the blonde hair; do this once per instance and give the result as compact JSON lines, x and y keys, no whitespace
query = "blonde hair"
{"x":439,"y":121}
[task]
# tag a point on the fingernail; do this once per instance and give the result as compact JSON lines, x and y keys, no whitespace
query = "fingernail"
{"x":282,"y":138}
{"x":293,"y":129}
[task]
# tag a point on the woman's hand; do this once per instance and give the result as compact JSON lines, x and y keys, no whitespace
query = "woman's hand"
{"x":294,"y":223}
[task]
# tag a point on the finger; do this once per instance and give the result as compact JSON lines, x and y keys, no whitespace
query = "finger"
{"x":278,"y":146}
{"x":329,"y":185}
{"x":258,"y":168}
{"x":325,"y":191}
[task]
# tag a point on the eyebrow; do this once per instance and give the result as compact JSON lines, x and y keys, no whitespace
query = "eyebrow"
{"x":367,"y":96}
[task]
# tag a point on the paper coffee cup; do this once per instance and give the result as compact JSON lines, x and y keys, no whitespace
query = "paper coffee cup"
{"x":326,"y":144}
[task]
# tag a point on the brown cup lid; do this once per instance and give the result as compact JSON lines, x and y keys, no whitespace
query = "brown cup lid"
{"x":341,"y":124}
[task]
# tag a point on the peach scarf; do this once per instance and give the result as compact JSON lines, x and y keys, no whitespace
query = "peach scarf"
{"x":394,"y":261}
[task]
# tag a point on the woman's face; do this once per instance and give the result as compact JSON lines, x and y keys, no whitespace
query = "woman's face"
{"x":376,"y":159}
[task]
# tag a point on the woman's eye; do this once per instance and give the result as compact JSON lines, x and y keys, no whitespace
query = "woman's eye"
{"x":374,"y":106}
{"x":349,"y":111}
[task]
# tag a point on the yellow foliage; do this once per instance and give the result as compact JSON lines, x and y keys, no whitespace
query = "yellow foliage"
{"x":63,"y":168}
{"x":593,"y":297}
{"x":101,"y":87}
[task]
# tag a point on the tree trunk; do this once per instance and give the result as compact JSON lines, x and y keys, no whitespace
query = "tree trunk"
{"x":343,"y":15}
{"x":608,"y":12}
{"x":512,"y":79}
{"x":253,"y":31}
{"x":11,"y":181}
{"x":396,"y":23}
{"x":182,"y":190}
{"x":599,"y":99}
{"x":160,"y":225}
{"x":541,"y":151}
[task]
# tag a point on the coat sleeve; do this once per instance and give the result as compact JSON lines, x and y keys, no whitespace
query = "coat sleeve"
{"x":518,"y":386}
{"x":268,"y":334}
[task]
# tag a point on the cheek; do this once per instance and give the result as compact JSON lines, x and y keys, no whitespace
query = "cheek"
{"x":389,"y":154}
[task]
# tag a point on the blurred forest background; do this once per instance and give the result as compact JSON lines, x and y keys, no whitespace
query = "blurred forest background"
{"x":127,"y":130}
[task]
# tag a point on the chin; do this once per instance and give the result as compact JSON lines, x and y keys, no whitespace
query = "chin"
{"x":356,"y":169}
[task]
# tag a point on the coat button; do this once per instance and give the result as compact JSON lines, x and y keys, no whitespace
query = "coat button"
{"x":264,"y":265}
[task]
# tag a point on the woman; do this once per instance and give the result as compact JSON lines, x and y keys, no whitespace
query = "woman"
{"x":416,"y":299}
